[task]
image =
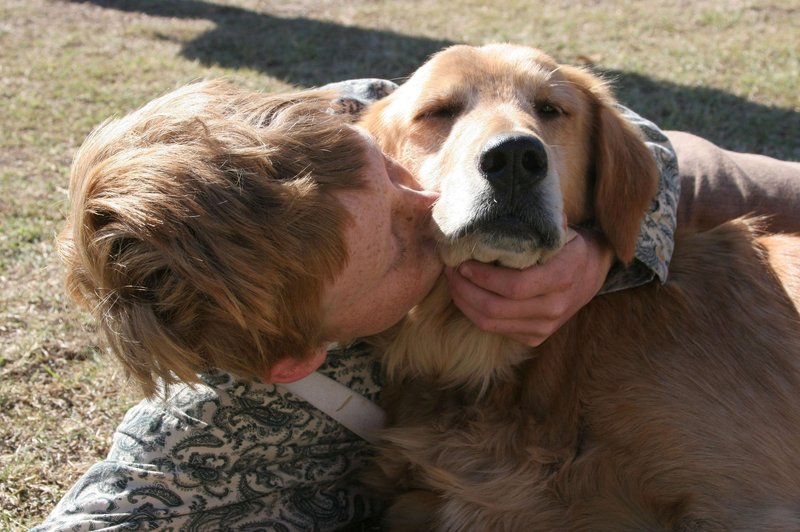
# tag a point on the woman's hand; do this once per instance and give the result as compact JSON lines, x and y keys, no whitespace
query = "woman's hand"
{"x":531,"y":304}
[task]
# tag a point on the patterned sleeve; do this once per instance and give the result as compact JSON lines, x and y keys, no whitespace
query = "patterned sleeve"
{"x":229,"y":454}
{"x":657,"y":233}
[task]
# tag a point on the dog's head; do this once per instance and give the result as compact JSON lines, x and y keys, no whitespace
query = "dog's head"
{"x":518,"y":146}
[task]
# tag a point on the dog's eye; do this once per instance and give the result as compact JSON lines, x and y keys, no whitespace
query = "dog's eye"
{"x":445,"y":111}
{"x":548,"y":110}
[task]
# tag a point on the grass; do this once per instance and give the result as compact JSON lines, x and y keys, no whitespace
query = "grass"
{"x":728,"y":72}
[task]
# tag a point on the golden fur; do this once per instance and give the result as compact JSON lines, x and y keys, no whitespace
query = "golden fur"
{"x":661,"y":407}
{"x":177,"y":241}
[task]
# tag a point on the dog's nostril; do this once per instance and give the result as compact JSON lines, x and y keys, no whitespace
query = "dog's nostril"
{"x":493,"y":162}
{"x":534,"y":161}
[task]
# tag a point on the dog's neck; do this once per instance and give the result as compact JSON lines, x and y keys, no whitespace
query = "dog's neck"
{"x":438,"y":344}
{"x":438,"y":353}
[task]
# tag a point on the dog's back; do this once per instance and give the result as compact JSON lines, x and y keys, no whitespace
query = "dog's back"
{"x":689,"y":392}
{"x":666,"y":406}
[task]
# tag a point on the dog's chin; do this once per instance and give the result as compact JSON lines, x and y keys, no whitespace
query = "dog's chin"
{"x":508,"y":251}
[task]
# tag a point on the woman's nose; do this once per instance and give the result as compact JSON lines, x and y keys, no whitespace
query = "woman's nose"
{"x":422,"y":199}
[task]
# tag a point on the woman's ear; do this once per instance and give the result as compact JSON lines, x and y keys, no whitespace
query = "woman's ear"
{"x":290,"y":369}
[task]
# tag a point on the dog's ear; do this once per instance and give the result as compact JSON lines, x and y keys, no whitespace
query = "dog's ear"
{"x":626,"y":179}
{"x":376,"y":120}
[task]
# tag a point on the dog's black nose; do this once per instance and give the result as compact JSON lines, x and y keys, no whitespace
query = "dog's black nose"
{"x":513,"y":160}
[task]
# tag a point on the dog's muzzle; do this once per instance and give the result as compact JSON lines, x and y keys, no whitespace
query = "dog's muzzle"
{"x":515,"y":165}
{"x":516,"y":216}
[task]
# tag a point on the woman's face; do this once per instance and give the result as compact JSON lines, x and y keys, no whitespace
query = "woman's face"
{"x":393,"y":262}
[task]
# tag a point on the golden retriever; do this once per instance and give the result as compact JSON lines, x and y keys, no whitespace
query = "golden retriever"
{"x":671,"y":406}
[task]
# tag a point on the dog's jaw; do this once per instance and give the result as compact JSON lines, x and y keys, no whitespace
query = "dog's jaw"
{"x":504,"y":251}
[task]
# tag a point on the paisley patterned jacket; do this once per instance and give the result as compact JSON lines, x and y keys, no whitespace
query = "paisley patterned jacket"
{"x":235,"y":454}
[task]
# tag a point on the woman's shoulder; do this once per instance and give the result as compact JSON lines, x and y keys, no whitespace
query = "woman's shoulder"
{"x":230,"y":451}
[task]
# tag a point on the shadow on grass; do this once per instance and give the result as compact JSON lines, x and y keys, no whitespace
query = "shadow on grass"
{"x":301,"y":51}
{"x":730,"y":121}
{"x":309,"y":52}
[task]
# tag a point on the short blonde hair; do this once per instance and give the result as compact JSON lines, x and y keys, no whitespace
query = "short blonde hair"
{"x":202,"y":228}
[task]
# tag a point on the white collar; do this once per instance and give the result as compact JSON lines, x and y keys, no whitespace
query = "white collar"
{"x":354,"y":411}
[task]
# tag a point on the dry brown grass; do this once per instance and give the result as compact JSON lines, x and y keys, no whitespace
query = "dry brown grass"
{"x":728,"y":71}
